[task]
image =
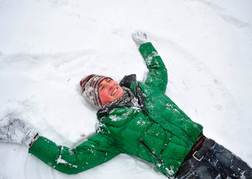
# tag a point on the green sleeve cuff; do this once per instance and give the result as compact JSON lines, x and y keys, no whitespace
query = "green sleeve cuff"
{"x":35,"y":146}
{"x":42,"y":148}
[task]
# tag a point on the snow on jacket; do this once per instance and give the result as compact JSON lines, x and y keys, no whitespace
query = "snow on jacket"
{"x":157,"y":130}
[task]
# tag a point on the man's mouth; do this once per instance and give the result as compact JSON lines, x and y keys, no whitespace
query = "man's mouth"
{"x":114,"y":92}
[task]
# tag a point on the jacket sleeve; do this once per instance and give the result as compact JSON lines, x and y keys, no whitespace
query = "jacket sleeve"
{"x":93,"y":152}
{"x":157,"y":76}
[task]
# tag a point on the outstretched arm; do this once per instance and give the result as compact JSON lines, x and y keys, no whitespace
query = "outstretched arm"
{"x":157,"y":76}
{"x":97,"y":150}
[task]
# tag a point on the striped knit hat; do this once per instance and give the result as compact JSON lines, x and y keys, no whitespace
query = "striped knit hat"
{"x":89,"y":86}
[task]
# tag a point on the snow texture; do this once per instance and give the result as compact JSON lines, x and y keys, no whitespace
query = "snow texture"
{"x":47,"y":47}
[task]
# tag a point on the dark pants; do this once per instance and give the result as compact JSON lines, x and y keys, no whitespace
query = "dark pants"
{"x":218,"y":163}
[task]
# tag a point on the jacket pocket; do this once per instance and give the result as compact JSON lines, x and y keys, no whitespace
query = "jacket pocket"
{"x":152,"y":152}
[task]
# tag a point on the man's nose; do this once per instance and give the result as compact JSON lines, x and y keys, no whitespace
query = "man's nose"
{"x":109,"y":85}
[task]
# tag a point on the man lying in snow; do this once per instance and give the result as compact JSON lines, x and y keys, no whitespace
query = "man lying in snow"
{"x":137,"y":119}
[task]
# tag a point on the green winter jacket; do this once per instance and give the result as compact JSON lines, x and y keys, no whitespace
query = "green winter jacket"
{"x":157,"y":130}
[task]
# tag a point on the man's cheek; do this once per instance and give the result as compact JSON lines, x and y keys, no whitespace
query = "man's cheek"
{"x":104,"y":97}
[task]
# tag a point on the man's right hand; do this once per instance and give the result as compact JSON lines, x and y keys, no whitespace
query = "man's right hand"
{"x":15,"y":130}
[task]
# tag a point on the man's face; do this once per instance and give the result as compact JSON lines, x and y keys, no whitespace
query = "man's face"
{"x":109,"y":91}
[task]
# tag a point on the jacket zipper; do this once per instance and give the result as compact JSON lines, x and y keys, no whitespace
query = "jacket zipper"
{"x":142,"y":142}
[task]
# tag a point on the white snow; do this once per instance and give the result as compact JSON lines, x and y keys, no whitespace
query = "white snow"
{"x":47,"y":47}
{"x":60,"y":160}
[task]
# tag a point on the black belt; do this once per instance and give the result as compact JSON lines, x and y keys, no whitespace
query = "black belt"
{"x":197,"y":156}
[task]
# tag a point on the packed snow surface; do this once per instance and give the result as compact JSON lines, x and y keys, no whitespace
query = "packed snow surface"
{"x":47,"y":47}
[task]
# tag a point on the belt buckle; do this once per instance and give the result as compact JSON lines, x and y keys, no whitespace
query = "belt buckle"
{"x":196,"y":157}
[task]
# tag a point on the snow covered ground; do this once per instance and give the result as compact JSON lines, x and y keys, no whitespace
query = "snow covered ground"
{"x":46,"y":47}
